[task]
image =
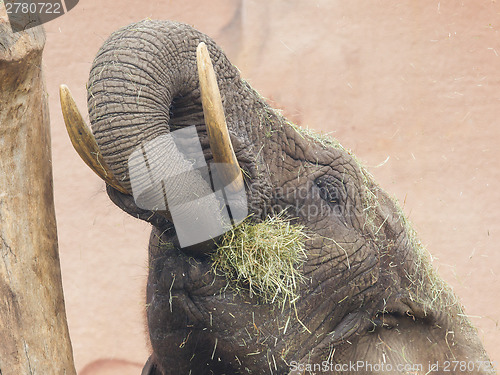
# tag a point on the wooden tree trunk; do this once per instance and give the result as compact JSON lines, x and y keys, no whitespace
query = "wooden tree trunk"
{"x":34,"y":336}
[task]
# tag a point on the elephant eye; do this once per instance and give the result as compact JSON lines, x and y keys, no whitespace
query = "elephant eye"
{"x":328,"y":191}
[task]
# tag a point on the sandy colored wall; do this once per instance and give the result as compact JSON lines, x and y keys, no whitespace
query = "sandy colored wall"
{"x":412,"y":88}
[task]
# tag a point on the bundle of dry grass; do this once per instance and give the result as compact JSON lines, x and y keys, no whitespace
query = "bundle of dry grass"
{"x":264,"y":258}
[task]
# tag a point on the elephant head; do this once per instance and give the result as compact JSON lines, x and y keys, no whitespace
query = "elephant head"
{"x":371,"y":301}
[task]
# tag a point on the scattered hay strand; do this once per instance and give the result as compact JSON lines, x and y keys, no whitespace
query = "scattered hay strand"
{"x":264,"y":258}
{"x":326,"y":140}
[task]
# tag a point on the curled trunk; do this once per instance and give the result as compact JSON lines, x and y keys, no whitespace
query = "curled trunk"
{"x":151,"y":89}
{"x":147,"y":116}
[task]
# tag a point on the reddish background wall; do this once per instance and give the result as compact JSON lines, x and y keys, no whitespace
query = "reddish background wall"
{"x":415,"y":85}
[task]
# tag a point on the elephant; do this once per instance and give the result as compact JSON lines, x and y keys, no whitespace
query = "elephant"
{"x":370,"y":301}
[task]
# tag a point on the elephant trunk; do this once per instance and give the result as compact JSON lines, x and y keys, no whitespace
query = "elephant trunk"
{"x":143,"y":86}
{"x":147,"y":117}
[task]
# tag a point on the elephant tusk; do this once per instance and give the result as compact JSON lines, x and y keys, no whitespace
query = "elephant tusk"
{"x":83,"y":140}
{"x":218,"y":134}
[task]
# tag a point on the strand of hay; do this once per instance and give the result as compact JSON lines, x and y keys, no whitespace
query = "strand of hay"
{"x":264,"y":258}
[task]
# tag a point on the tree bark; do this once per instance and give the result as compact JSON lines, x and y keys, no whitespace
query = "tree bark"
{"x":34,"y":336}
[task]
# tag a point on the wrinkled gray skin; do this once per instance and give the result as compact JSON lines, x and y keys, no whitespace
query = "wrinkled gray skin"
{"x":367,"y":295}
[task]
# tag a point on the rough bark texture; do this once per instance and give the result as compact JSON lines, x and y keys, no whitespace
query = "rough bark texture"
{"x":34,"y":336}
